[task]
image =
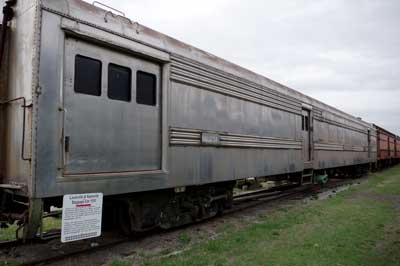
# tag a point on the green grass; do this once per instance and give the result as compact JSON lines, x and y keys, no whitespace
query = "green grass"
{"x":184,"y":238}
{"x":9,"y":263}
{"x":48,"y":224}
{"x":120,"y":262}
{"x":51,"y":223}
{"x":360,"y":226}
{"x":7,"y":234}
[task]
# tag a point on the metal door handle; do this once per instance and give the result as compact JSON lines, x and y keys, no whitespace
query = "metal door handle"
{"x":66,"y":144}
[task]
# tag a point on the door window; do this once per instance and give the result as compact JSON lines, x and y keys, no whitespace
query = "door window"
{"x":119,"y":83}
{"x":87,"y":75}
{"x":146,"y":88}
{"x":305,"y":123}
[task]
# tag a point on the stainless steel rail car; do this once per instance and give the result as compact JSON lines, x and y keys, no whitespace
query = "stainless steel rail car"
{"x":94,"y":102}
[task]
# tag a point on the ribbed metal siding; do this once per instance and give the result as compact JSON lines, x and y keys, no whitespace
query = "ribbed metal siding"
{"x":193,"y":73}
{"x":183,"y":136}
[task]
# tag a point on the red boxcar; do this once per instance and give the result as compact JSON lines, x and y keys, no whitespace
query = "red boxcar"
{"x":397,"y":148}
{"x":392,"y":146}
{"x":387,"y":149}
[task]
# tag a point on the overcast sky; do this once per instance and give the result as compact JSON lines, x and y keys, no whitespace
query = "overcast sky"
{"x":344,"y":53}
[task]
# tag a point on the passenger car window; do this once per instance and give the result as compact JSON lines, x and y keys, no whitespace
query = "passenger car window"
{"x":146,"y":88}
{"x":87,"y":75}
{"x":306,"y":123}
{"x":119,"y":83}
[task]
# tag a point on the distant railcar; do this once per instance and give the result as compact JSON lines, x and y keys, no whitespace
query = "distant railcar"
{"x":93,"y":102}
{"x":397,"y":149}
{"x":386,"y":147}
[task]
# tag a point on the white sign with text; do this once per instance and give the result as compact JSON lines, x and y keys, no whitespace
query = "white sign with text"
{"x":81,"y":216}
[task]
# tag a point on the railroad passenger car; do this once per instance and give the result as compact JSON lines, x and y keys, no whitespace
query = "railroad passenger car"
{"x":386,"y":146}
{"x":397,"y":149}
{"x":94,"y":102}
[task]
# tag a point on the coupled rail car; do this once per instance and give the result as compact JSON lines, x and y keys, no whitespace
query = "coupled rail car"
{"x":92,"y":102}
{"x":397,"y":159}
{"x":388,"y":147}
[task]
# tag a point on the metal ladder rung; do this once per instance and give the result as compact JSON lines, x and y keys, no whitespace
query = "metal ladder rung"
{"x":307,"y":175}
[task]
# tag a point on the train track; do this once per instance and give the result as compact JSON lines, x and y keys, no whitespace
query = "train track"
{"x":249,"y":200}
{"x":240,"y":203}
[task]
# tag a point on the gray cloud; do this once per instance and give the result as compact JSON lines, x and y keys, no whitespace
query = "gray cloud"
{"x":345,"y":53}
